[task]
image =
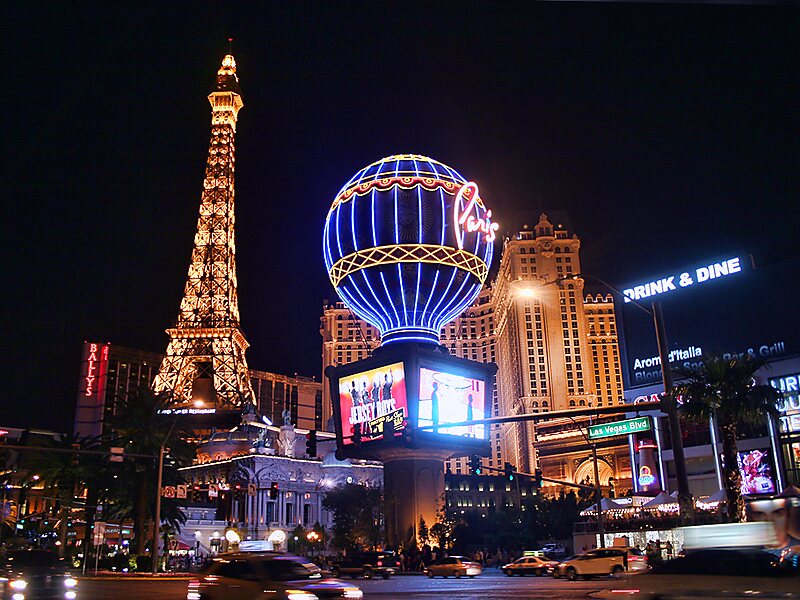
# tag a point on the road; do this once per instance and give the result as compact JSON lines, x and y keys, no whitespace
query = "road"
{"x":488,"y":585}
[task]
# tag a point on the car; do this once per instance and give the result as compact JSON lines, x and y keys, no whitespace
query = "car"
{"x":35,"y":574}
{"x":602,"y":561}
{"x":529,"y":565}
{"x":266,"y":576}
{"x":553,"y":549}
{"x":747,"y":562}
{"x":457,"y":566}
{"x":369,"y":564}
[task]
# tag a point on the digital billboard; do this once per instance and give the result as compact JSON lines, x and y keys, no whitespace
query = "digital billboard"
{"x":448,"y":398}
{"x":756,"y":472}
{"x":371,"y":399}
{"x":713,"y":316}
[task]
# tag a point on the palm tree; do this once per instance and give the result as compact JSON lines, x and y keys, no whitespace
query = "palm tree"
{"x":139,"y":427}
{"x":726,"y":390}
{"x":63,"y":474}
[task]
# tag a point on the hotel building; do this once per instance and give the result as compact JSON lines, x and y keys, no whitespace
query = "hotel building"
{"x":555,"y":346}
{"x":110,"y":372}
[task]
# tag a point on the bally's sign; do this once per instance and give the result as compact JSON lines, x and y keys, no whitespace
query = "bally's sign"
{"x":684,"y":279}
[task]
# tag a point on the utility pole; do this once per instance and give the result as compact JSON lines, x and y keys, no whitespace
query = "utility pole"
{"x":598,"y":494}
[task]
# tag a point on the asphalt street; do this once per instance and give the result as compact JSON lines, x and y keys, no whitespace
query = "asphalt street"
{"x":488,"y":585}
{"x":494,"y":585}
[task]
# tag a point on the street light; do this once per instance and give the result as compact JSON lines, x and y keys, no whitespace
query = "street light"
{"x":684,"y":495}
{"x":676,"y":437}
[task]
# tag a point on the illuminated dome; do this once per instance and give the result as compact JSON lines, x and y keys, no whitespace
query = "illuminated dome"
{"x":408,"y":243}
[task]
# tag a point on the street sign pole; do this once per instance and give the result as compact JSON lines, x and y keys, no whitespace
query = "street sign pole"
{"x":157,"y":522}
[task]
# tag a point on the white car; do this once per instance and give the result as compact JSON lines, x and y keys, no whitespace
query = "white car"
{"x":603,"y":561}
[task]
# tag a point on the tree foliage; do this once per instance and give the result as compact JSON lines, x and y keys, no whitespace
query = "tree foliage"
{"x":357,"y":516}
{"x":726,"y":390}
{"x":544,"y":518}
{"x":139,"y":427}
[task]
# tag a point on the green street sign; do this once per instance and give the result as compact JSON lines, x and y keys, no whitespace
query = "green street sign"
{"x":627,"y":427}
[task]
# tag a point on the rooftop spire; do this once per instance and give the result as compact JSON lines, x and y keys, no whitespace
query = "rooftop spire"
{"x":227,"y":80}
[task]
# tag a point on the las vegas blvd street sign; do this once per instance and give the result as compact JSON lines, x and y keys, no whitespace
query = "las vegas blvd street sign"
{"x":626,"y":427}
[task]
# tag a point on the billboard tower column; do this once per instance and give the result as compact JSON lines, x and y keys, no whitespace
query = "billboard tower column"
{"x":408,"y":243}
{"x":411,"y":480}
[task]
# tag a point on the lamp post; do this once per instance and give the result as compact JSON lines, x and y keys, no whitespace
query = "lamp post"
{"x":669,"y":406}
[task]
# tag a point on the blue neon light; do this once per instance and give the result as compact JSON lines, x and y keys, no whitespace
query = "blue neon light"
{"x":403,"y":303}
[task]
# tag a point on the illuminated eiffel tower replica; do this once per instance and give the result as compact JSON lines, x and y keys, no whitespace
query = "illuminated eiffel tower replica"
{"x":205,"y":368}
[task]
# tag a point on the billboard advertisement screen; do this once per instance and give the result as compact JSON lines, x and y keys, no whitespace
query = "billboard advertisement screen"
{"x":370,"y":398}
{"x":447,"y":398}
{"x":756,"y":472}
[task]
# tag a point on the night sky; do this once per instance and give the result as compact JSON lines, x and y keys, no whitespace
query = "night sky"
{"x":667,"y":133}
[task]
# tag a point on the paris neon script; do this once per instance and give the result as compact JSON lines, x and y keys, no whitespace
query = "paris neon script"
{"x":473,"y":222}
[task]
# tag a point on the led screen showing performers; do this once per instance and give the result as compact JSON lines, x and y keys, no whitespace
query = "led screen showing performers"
{"x":756,"y":472}
{"x":446,"y":398}
{"x":367,"y":396}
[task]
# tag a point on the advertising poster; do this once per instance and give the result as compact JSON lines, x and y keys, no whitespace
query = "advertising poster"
{"x":369,"y":397}
{"x":446,"y":398}
{"x":756,"y":472}
{"x":783,"y":513}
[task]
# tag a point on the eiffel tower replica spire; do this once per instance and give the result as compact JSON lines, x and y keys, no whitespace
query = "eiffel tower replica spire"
{"x":205,"y":363}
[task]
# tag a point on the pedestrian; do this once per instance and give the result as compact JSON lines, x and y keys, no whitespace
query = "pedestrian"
{"x":669,"y":549}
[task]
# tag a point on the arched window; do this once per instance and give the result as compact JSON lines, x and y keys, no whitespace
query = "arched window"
{"x":522,"y":251}
{"x":572,"y":403}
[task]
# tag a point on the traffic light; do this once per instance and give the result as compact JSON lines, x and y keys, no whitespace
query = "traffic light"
{"x":311,"y":443}
{"x":475,"y":465}
{"x":409,"y":436}
{"x":273,"y":490}
{"x":508,"y":471}
{"x":537,"y":479}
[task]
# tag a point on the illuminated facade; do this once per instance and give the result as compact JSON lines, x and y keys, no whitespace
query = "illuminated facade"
{"x":109,"y":372}
{"x":555,"y":347}
{"x":205,"y":360}
{"x":345,"y":339}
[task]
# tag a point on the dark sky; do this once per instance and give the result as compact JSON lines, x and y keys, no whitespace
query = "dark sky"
{"x":668,"y":133}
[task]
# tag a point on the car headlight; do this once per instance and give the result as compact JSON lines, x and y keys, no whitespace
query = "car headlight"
{"x":353,"y":592}
{"x":299,"y":595}
{"x":19,"y":584}
{"x":70,"y":582}
{"x":71,"y":595}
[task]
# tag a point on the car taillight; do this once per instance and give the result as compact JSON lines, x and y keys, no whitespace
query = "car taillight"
{"x":380,"y":563}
